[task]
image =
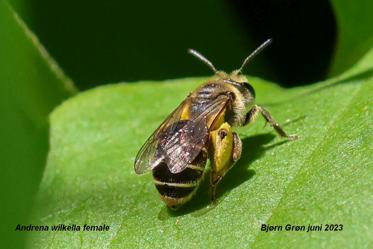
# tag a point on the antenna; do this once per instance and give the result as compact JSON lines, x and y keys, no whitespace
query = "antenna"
{"x":255,"y":53}
{"x":202,"y":58}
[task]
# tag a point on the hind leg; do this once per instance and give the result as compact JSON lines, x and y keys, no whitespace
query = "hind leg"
{"x":225,"y":150}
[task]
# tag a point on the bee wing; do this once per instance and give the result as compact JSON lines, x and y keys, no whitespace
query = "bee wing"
{"x":177,"y":142}
{"x":186,"y":143}
{"x":146,"y":155}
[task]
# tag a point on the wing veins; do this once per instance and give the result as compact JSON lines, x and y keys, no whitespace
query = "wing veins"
{"x":145,"y":157}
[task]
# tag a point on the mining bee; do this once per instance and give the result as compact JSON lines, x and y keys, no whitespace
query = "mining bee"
{"x":201,"y":128}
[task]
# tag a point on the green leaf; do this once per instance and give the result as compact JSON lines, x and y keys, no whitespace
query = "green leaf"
{"x":31,"y":85}
{"x":324,"y":177}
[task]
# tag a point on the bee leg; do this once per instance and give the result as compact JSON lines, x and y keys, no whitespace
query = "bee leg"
{"x":225,"y":149}
{"x":253,"y":114}
{"x":237,"y":147}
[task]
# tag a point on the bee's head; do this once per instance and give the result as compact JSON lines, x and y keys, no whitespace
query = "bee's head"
{"x":236,"y":75}
{"x":237,"y":79}
{"x":244,"y":93}
{"x":244,"y":98}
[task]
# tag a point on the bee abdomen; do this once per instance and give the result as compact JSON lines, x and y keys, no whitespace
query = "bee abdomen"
{"x":161,"y":173}
{"x":176,"y":185}
{"x":175,"y":191}
{"x":178,"y":188}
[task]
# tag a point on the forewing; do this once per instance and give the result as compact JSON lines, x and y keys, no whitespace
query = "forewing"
{"x":187,"y":142}
{"x":184,"y":145}
{"x":177,"y":142}
{"x":147,"y":155}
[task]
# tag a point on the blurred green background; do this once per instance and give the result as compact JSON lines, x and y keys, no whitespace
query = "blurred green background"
{"x":96,"y":42}
{"x":99,"y":42}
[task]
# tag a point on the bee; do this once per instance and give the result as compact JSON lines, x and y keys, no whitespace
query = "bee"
{"x":200,"y":128}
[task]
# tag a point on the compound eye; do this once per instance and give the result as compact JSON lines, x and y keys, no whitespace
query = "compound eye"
{"x":249,"y":88}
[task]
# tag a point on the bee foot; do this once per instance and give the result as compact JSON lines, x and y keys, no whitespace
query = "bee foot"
{"x":292,"y":137}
